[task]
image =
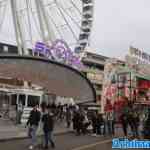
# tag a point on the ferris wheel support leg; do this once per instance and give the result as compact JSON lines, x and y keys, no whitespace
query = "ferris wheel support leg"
{"x":40,"y":20}
{"x":22,"y":50}
{"x":22,"y":32}
{"x":51,"y":35}
{"x":14,"y":16}
{"x":46,"y":33}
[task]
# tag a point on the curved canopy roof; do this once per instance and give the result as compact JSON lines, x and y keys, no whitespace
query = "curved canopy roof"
{"x":57,"y":78}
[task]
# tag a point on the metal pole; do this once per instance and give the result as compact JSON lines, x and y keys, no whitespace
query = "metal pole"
{"x":67,"y":23}
{"x":30,"y":26}
{"x":9,"y":109}
{"x":22,"y":32}
{"x":118,"y":86}
{"x":14,"y":17}
{"x":130,"y":88}
{"x":19,"y":32}
{"x":40,"y":20}
{"x":50,"y":35}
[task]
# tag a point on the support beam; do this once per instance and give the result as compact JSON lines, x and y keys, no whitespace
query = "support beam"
{"x":15,"y":22}
{"x":51,"y":35}
{"x":22,"y":50}
{"x":40,"y":19}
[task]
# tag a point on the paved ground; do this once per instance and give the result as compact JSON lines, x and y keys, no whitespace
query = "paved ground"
{"x":65,"y":142}
{"x":8,"y":130}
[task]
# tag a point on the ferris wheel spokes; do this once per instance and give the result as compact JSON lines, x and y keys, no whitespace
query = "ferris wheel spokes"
{"x":48,"y":20}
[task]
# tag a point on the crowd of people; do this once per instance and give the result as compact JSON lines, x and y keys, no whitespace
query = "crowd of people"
{"x":83,"y":122}
{"x":130,"y":119}
{"x":75,"y":117}
{"x":134,"y":122}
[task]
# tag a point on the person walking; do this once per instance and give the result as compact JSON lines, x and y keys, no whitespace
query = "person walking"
{"x":19,"y":112}
{"x":111,"y":123}
{"x":79,"y":122}
{"x":94,"y":123}
{"x":33,"y":123}
{"x":130,"y":120}
{"x":48,"y":126}
{"x":104,"y":124}
{"x":86,"y":124}
{"x":74,"y":120}
{"x":68,"y":116}
{"x":124,"y":122}
{"x":136,"y":123}
{"x":100,"y":122}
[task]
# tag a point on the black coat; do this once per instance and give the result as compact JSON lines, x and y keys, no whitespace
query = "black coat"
{"x":34,"y":118}
{"x":48,"y":122}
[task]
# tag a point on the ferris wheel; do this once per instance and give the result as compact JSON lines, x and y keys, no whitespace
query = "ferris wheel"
{"x":46,"y":21}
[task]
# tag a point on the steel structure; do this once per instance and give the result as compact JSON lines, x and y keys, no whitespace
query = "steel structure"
{"x":46,"y":21}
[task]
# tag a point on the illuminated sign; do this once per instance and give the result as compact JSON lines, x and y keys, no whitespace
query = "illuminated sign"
{"x":59,"y":51}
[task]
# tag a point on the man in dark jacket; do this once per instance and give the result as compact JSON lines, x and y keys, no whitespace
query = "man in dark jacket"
{"x":94,"y":122}
{"x":100,"y":122}
{"x":48,"y":126}
{"x":33,"y":123}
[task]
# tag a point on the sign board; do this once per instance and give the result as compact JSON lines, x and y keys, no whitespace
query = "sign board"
{"x":59,"y":51}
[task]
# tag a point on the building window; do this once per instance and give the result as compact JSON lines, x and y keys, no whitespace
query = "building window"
{"x":5,"y":48}
{"x":33,"y":100}
{"x":98,"y":87}
{"x":22,"y":99}
{"x":14,"y":99}
{"x":95,"y":76}
{"x":98,"y":98}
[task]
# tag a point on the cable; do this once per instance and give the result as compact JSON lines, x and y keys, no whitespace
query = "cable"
{"x":70,"y":16}
{"x":29,"y":22}
{"x":66,"y":20}
{"x":55,"y":25}
{"x":75,"y":6}
{"x":3,"y":14}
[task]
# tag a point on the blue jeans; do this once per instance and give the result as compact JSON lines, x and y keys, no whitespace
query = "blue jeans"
{"x":48,"y":136}
{"x":32,"y":134}
{"x":110,"y":125}
{"x":105,"y":128}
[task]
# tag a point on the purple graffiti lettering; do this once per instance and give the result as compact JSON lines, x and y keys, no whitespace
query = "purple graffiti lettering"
{"x":58,"y":51}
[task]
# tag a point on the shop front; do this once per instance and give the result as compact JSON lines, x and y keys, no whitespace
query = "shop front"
{"x":143,"y":90}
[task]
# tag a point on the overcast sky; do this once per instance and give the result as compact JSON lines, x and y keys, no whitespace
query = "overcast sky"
{"x":119,"y":24}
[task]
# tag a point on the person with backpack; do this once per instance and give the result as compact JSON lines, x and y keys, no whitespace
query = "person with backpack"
{"x":33,"y":123}
{"x":48,"y":127}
